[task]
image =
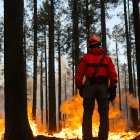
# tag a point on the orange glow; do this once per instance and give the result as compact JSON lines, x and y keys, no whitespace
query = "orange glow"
{"x":2,"y":128}
{"x":71,"y":127}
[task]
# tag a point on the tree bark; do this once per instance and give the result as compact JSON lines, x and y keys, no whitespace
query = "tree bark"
{"x":76,"y":32}
{"x":16,"y":121}
{"x":41,"y":88}
{"x":126,"y":102}
{"x":134,"y":79}
{"x":103,"y":25}
{"x":35,"y":61}
{"x":59,"y":79}
{"x":46,"y":80}
{"x":52,"y":98}
{"x":73,"y":70}
{"x":137,"y":40}
{"x":118,"y":76}
{"x":87,"y":24}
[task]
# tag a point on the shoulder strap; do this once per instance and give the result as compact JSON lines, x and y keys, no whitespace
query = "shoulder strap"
{"x":98,"y":66}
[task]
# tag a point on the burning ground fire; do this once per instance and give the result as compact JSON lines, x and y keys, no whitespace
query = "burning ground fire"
{"x":71,"y":127}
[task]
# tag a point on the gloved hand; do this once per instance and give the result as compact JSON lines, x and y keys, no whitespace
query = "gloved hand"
{"x":81,"y":91}
{"x":112,"y":91}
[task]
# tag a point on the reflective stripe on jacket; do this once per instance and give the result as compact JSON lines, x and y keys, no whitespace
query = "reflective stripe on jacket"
{"x":88,"y":65}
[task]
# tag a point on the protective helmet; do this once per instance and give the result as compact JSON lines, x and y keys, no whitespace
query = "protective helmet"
{"x":94,"y":41}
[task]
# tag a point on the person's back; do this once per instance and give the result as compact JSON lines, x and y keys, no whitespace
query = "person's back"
{"x":97,"y":87}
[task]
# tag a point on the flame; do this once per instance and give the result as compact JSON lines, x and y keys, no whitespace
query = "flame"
{"x":71,"y":125}
{"x":2,"y":128}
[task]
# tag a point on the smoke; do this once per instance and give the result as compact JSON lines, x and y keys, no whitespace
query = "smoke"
{"x":129,"y":99}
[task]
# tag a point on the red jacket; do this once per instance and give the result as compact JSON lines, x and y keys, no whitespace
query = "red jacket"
{"x":94,"y":56}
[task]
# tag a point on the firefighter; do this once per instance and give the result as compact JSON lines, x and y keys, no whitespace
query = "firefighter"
{"x":96,"y":87}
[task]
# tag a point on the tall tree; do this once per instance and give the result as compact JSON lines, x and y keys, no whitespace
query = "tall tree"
{"x":124,"y":70}
{"x":16,"y":121}
{"x":103,"y":25}
{"x":52,"y":98}
{"x":35,"y":60}
{"x":41,"y":85}
{"x":137,"y":40}
{"x":75,"y":32}
{"x":118,"y":75}
{"x":128,"y":50}
{"x":59,"y":69}
{"x":87,"y":23}
{"x":134,"y":112}
{"x":46,"y":78}
{"x":42,"y":24}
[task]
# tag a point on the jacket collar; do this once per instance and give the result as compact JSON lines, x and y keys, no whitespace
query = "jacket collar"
{"x":97,"y":51}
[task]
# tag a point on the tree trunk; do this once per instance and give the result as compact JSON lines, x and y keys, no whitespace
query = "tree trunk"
{"x":46,"y":80}
{"x":24,"y":54}
{"x":134,"y":112}
{"x":16,"y":121}
{"x":35,"y":61}
{"x":65,"y":91}
{"x":41,"y":88}
{"x":134,"y":79}
{"x":52,"y":98}
{"x":128,"y":51}
{"x":137,"y":41}
{"x":76,"y":32}
{"x":103,"y":25}
{"x":73,"y":70}
{"x":118,"y":76}
{"x":59,"y":78}
{"x":87,"y":24}
{"x":126,"y":102}
{"x":75,"y":36}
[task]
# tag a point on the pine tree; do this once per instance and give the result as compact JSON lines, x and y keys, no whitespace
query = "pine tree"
{"x":58,"y":24}
{"x":103,"y":25}
{"x":16,"y":121}
{"x":137,"y":40}
{"x":52,"y":98}
{"x":35,"y":61}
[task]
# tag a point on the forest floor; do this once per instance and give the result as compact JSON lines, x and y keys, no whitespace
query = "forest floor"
{"x":41,"y":137}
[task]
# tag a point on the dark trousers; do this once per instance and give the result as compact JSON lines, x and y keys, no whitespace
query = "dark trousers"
{"x":100,"y":93}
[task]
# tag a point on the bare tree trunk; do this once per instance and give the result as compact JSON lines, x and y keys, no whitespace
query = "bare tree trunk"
{"x":134,"y":79}
{"x":16,"y":121}
{"x":35,"y":60}
{"x":59,"y":79}
{"x":76,"y":32}
{"x":103,"y":25}
{"x":87,"y":23}
{"x":137,"y":40}
{"x":118,"y":76}
{"x":52,"y":98}
{"x":41,"y":88}
{"x":126,"y":95}
{"x":46,"y":80}
{"x":24,"y":54}
{"x":73,"y":70}
{"x":65,"y":90}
